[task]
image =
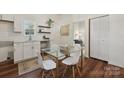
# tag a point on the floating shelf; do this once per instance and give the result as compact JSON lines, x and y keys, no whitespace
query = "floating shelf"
{"x":45,"y":32}
{"x":7,"y":21}
{"x":44,"y":26}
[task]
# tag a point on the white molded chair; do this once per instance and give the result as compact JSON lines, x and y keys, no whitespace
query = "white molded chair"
{"x":72,"y":61}
{"x":46,"y":65}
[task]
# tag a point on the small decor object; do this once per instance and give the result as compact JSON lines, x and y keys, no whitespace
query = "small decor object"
{"x":64,"y":30}
{"x":50,"y":22}
{"x":40,"y":30}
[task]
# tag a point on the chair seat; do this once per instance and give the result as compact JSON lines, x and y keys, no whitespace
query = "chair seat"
{"x":49,"y":64}
{"x":70,"y":61}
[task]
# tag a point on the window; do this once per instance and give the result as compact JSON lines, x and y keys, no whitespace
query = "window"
{"x":29,"y":28}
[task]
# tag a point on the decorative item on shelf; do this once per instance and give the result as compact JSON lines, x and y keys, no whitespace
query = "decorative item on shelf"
{"x":50,"y":22}
{"x":44,"y":26}
{"x":40,"y":30}
{"x":44,"y":37}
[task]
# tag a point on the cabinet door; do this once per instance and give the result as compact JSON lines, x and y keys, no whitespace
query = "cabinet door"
{"x":27,"y":51}
{"x":18,"y":53}
{"x":99,"y":38}
{"x":3,"y":53}
{"x":8,"y":17}
{"x":104,"y":38}
{"x":94,"y":38}
{"x":36,"y":48}
{"x":18,"y":24}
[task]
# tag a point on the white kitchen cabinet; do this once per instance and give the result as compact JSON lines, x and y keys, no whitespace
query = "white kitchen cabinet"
{"x":18,"y":52}
{"x":18,"y":24}
{"x":36,"y":48}
{"x":3,"y":53}
{"x":7,"y":17}
{"x":25,"y":50}
{"x":28,"y":50}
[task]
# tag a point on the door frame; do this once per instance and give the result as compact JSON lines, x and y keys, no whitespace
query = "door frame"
{"x":90,"y":36}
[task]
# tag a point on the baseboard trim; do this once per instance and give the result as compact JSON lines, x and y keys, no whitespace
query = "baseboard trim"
{"x":100,"y":60}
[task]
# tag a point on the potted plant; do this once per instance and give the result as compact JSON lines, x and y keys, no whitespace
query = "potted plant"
{"x":50,"y":22}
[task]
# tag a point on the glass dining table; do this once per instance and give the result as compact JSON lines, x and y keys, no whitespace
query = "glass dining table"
{"x":56,"y":53}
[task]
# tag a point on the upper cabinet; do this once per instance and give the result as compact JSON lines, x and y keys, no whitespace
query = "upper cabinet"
{"x":7,"y":17}
{"x":18,"y":24}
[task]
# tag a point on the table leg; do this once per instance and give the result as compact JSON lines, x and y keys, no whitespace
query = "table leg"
{"x":57,"y":68}
{"x":82,"y":60}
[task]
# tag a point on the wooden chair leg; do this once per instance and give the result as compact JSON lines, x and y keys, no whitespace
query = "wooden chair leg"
{"x":64,"y":71}
{"x":73,"y":71}
{"x":78,"y":70}
{"x":53,"y":73}
{"x":43,"y":74}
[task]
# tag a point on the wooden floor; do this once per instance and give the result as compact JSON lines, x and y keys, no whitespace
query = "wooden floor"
{"x":92,"y":69}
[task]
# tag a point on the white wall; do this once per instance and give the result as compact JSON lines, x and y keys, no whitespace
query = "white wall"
{"x":63,"y":19}
{"x":116,"y":51}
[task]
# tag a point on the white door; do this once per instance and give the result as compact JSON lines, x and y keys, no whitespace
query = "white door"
{"x":99,"y":38}
{"x":18,"y":53}
{"x":94,"y":38}
{"x":104,"y":38}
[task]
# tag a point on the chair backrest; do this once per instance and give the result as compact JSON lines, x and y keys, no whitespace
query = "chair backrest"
{"x":78,"y":52}
{"x":40,"y":60}
{"x":76,"y":56}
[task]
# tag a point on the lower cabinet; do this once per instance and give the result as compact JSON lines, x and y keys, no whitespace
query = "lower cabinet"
{"x":28,"y":51}
{"x":18,"y":53}
{"x":3,"y":54}
{"x":36,"y":48}
{"x":25,"y":51}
